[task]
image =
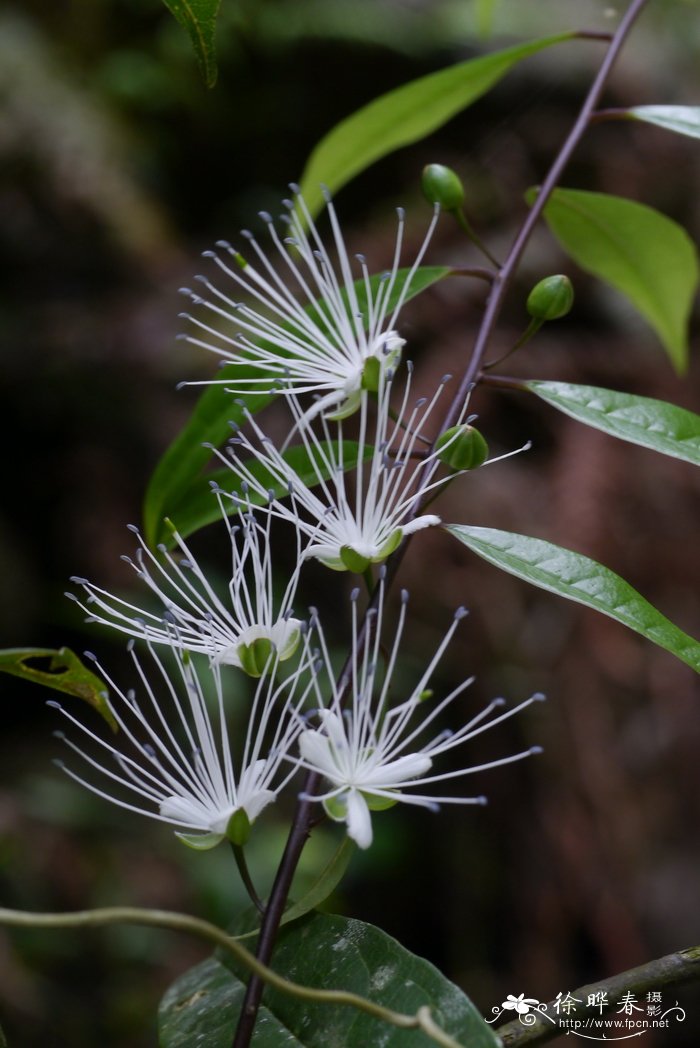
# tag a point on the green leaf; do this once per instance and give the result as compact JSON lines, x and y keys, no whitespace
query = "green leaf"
{"x":637,"y":250}
{"x":329,"y":880}
{"x":684,"y":120}
{"x":580,"y":579}
{"x":406,"y":115}
{"x":202,"y":1007}
{"x":179,"y":485}
{"x":64,"y":672}
{"x":182,"y":466}
{"x":198,"y":507}
{"x":640,"y":420}
{"x":333,"y":953}
{"x":199,"y":19}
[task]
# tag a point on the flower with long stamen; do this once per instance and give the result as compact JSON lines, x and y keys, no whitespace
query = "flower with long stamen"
{"x":312,"y":321}
{"x":372,"y":752}
{"x":351,"y":519}
{"x":174,"y":759}
{"x":243,"y":632}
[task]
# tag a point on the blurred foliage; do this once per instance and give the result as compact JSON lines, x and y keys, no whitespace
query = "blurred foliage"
{"x":116,"y":168}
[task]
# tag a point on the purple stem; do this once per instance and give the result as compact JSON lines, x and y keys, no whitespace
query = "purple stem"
{"x":300,"y":829}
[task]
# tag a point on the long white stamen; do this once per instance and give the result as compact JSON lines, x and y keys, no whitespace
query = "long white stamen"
{"x":195,"y":617}
{"x":199,"y":790}
{"x":318,"y":338}
{"x":364,"y":748}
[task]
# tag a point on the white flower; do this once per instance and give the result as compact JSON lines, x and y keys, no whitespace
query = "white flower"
{"x":372,"y":753}
{"x":324,"y":336}
{"x":175,"y":755}
{"x":351,"y":519}
{"x":196,"y":619}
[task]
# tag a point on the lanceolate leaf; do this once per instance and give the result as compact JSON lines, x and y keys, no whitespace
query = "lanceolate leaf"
{"x":199,"y":507}
{"x":406,"y":115}
{"x":333,"y":953}
{"x":652,"y":423}
{"x":640,"y":252}
{"x":199,"y":19}
{"x":179,"y":476}
{"x":581,"y":579}
{"x":61,"y":670}
{"x":329,"y":880}
{"x":684,"y":120}
{"x":182,"y":466}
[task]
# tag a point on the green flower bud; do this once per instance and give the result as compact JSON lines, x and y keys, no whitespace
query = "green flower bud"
{"x":551,"y":298}
{"x":442,"y":186}
{"x":462,"y":447}
{"x":238,"y":828}
{"x":255,"y":656}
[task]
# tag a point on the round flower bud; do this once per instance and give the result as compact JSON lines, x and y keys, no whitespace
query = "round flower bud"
{"x":462,"y":447}
{"x":442,"y":186}
{"x":551,"y":298}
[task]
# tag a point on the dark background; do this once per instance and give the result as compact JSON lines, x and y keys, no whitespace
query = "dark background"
{"x":116,"y":169}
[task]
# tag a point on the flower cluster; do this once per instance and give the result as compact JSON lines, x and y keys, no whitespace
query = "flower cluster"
{"x":334,"y":340}
{"x":348,"y":485}
{"x":373,"y":752}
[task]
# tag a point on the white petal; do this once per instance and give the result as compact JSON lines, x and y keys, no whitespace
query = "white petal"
{"x":285,"y":636}
{"x":359,"y":819}
{"x":256,"y":802}
{"x":404,"y":769}
{"x":315,"y":749}
{"x":426,"y":521}
{"x":189,"y":812}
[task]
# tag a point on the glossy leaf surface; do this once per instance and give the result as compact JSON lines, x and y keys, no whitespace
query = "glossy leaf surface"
{"x":683,"y":120}
{"x":653,"y":424}
{"x":580,"y":579}
{"x":643,"y":254}
{"x":406,"y":115}
{"x":324,"y":952}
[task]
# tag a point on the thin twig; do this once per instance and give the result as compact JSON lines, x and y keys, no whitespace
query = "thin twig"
{"x":504,"y":382}
{"x":505,"y":275}
{"x":500,"y":282}
{"x":244,"y":871}
{"x":674,"y":969}
{"x":601,"y":116}
{"x":593,"y":34}
{"x":183,"y":922}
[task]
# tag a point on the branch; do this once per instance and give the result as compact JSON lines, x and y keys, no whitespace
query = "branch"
{"x":183,"y":922}
{"x":501,"y":280}
{"x":505,"y":275}
{"x":674,"y":969}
